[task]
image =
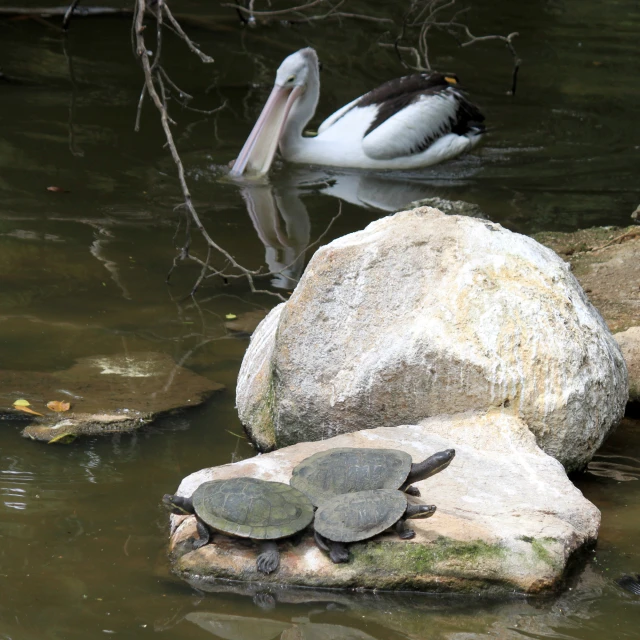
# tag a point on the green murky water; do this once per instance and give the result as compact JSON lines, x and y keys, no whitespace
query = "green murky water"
{"x":82,"y":534}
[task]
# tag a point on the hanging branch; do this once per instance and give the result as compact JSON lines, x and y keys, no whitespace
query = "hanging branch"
{"x":423,"y":17}
{"x":159,"y":87}
{"x":155,"y":87}
{"x":69,"y":12}
{"x":420,"y":19}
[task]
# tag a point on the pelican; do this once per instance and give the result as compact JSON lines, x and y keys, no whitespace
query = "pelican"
{"x":406,"y":123}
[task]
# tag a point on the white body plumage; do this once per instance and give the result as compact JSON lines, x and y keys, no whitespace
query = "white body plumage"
{"x":410,"y":122}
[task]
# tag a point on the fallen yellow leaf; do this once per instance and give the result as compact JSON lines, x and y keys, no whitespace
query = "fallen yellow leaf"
{"x":63,"y":438}
{"x":27,"y":410}
{"x":57,"y":405}
{"x":21,"y":403}
{"x":231,"y":316}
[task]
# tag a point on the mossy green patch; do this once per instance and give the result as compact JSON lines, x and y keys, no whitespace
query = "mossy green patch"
{"x":262,"y":431}
{"x":394,"y":562}
{"x":542,"y":553}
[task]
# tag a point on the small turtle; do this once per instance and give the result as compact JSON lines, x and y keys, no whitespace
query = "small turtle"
{"x":246,"y":508}
{"x":344,"y":470}
{"x":352,"y":517}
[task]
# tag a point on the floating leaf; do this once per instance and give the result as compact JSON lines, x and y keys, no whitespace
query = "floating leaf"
{"x":27,"y":410}
{"x":57,"y":405}
{"x":231,"y":316}
{"x":63,"y":438}
{"x":22,"y":403}
{"x":57,"y":189}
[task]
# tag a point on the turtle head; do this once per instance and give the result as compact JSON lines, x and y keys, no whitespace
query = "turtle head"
{"x":420,"y":510}
{"x":177,"y":504}
{"x":432,"y":465}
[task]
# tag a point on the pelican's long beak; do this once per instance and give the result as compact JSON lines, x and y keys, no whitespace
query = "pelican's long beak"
{"x":258,"y":151}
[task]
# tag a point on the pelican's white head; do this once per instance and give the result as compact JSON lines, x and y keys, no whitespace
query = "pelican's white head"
{"x":296,"y":68}
{"x":293,"y":77}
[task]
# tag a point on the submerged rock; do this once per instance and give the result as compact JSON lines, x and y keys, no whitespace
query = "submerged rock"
{"x":508,"y":518}
{"x":424,"y":314}
{"x":108,"y":394}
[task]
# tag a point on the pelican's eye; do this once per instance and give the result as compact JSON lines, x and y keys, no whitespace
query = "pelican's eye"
{"x":291,"y":79}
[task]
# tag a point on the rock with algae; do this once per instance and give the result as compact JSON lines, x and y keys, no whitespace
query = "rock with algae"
{"x":423,"y":314}
{"x":508,"y":517}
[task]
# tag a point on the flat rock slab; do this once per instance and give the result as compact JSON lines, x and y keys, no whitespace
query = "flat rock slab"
{"x":508,"y":517}
{"x":108,"y":394}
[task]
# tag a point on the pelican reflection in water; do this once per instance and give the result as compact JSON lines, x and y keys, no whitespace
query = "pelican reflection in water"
{"x":282,"y":222}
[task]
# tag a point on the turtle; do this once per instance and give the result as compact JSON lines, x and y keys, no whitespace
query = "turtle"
{"x":352,"y":517}
{"x":245,"y":507}
{"x":343,"y":470}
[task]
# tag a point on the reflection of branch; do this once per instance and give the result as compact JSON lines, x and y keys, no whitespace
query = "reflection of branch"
{"x":73,"y":147}
{"x":112,"y":267}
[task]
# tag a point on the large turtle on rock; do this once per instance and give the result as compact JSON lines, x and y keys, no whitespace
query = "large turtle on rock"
{"x":333,"y":472}
{"x":352,"y":517}
{"x":260,"y":510}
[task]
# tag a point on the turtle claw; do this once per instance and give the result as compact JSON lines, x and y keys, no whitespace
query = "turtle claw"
{"x":339,"y":553}
{"x":268,"y":562}
{"x":269,"y":559}
{"x":196,"y":543}
{"x":412,"y":490}
{"x":407,"y":534}
{"x":265,"y":601}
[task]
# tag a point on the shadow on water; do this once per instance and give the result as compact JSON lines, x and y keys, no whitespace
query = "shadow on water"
{"x":83,"y":273}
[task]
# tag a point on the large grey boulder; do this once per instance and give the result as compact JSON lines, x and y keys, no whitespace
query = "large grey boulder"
{"x":508,"y":518}
{"x":423,"y":314}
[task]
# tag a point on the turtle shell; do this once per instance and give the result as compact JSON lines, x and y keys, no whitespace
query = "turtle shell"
{"x":344,"y":470}
{"x":361,"y":515}
{"x":252,"y":508}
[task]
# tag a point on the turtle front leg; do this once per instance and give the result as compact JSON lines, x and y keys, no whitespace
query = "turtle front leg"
{"x":338,"y":551}
{"x":269,"y":559}
{"x":204,"y":535}
{"x":403,"y":531}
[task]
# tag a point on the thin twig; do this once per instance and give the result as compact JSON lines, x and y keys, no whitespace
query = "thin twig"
{"x":176,"y":25}
{"x":155,"y":87}
{"x":67,"y":16}
{"x":280,"y":12}
{"x":632,"y":233}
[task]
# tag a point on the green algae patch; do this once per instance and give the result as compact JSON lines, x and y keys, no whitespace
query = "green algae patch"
{"x":419,"y":565}
{"x":543,"y":554}
{"x":262,"y":432}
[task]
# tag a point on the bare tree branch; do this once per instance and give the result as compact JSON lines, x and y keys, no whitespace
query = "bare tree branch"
{"x":67,"y":16}
{"x":251,"y":12}
{"x":154,"y":86}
